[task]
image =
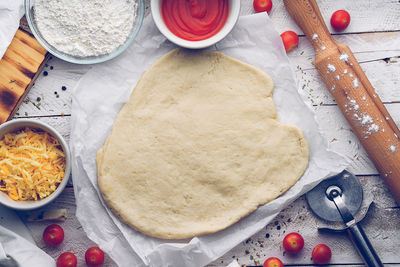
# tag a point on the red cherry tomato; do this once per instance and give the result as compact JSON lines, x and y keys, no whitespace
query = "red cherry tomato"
{"x":293,"y":243}
{"x":340,"y":20}
{"x":94,"y":257}
{"x":67,"y":259}
{"x":53,"y":235}
{"x":290,"y":40}
{"x":273,"y":262}
{"x":321,"y":254}
{"x":262,"y":5}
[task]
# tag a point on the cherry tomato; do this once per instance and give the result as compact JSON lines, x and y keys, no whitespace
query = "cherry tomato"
{"x":321,"y":254}
{"x":273,"y":262}
{"x":290,"y":40}
{"x":67,"y":259}
{"x":262,"y":5}
{"x":94,"y":257}
{"x":293,"y":243}
{"x":53,"y":235}
{"x":340,"y":20}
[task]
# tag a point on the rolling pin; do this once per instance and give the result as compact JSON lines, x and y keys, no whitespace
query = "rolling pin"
{"x":354,"y":94}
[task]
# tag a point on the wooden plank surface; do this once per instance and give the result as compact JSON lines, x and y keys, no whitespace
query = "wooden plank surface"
{"x":366,"y":15}
{"x":266,"y":243}
{"x":19,"y":67}
{"x":374,"y":47}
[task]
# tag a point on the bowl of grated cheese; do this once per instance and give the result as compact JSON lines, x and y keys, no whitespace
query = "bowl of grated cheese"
{"x":35,"y":164}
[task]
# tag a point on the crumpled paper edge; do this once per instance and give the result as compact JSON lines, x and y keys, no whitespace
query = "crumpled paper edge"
{"x":17,"y":251}
{"x":11,"y":12}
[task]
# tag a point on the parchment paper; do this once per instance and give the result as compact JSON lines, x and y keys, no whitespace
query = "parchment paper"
{"x":10,"y":13}
{"x":16,"y":251}
{"x":99,"y":96}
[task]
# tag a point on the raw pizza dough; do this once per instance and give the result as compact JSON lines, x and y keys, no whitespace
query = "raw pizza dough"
{"x":198,"y":147}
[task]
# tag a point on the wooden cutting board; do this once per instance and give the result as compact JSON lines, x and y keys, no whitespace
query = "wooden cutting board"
{"x":19,"y":68}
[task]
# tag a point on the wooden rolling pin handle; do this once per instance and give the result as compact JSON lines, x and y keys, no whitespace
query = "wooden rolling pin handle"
{"x":354,"y":94}
{"x":371,"y":91}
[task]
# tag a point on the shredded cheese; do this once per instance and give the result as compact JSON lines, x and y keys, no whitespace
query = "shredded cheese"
{"x":32,"y":164}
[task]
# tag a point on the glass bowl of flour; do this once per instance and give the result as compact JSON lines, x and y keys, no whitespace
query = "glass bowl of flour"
{"x":85,"y":32}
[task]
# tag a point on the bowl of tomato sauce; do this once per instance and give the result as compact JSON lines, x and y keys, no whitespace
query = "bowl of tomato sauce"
{"x":195,"y":24}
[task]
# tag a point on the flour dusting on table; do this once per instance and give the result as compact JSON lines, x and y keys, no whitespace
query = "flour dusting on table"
{"x":85,"y":28}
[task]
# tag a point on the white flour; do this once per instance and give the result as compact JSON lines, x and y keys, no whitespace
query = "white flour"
{"x":355,"y":83}
{"x":315,"y":36}
{"x":85,"y":28}
{"x":344,"y":57}
{"x":331,"y":68}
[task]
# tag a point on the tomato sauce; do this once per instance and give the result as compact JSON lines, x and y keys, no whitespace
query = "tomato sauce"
{"x":195,"y":20}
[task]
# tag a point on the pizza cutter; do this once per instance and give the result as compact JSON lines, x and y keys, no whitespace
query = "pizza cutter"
{"x":339,"y":199}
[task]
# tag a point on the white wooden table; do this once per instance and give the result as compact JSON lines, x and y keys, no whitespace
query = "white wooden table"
{"x":374,"y":24}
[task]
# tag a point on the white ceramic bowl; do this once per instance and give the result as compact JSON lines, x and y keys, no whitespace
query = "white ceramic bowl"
{"x":234,"y":9}
{"x":15,"y":125}
{"x":137,"y":24}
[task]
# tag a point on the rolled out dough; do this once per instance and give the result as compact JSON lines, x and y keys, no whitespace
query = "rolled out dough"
{"x":197,"y":147}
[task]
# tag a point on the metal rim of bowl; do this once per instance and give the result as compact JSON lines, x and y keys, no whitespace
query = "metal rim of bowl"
{"x":22,"y":123}
{"x":83,"y":60}
{"x":158,"y":20}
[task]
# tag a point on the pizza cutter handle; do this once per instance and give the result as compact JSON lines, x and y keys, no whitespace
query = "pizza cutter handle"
{"x":361,"y":242}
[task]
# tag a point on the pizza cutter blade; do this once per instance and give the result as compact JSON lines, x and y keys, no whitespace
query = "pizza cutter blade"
{"x":339,"y":198}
